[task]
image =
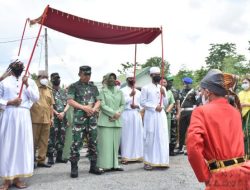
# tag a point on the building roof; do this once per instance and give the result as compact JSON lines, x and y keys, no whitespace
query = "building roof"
{"x":139,"y":73}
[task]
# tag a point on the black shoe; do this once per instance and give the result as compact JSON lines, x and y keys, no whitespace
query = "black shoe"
{"x":179,"y":152}
{"x":43,"y":165}
{"x":172,"y":153}
{"x":59,"y":158}
{"x":61,"y":161}
{"x":74,"y":170}
{"x":51,"y":160}
{"x":96,"y":171}
{"x":117,"y":169}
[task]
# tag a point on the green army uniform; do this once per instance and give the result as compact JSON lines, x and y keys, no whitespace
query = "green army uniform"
{"x":83,"y":125}
{"x":57,"y":132}
{"x":83,"y":95}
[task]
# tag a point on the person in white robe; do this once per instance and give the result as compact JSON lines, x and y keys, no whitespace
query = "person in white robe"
{"x":132,"y":127}
{"x":16,"y":138}
{"x":156,"y":138}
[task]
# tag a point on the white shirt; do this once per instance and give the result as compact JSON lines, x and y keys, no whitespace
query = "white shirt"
{"x":10,"y":89}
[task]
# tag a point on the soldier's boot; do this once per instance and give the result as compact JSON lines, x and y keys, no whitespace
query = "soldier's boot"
{"x":50,"y":159}
{"x":59,"y":158}
{"x":95,"y":170}
{"x":74,"y":169}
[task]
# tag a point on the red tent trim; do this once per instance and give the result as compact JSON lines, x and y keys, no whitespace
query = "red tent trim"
{"x":97,"y":31}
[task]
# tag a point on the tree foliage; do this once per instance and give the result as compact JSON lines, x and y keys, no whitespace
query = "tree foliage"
{"x":157,"y":62}
{"x":225,"y":58}
{"x":127,"y":66}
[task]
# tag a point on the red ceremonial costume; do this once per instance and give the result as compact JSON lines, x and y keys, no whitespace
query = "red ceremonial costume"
{"x":216,"y":148}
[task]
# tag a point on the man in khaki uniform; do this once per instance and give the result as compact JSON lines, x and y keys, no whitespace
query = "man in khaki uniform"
{"x":42,"y":118}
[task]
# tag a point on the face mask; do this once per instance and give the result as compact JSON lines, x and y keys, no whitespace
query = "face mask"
{"x":44,"y":82}
{"x":187,"y":86}
{"x":131,"y":82}
{"x":204,"y":100}
{"x":245,"y":86}
{"x":56,"y":82}
{"x":157,"y":78}
{"x":169,"y":86}
{"x":111,"y":82}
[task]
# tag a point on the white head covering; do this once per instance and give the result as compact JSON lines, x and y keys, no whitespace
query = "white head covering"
{"x":154,"y":70}
{"x":129,"y":75}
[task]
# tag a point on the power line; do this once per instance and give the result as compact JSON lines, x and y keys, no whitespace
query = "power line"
{"x":18,"y":40}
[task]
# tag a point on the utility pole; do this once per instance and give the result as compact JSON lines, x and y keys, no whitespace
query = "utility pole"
{"x":46,"y":51}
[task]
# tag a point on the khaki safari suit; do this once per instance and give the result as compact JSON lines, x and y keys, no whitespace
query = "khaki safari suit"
{"x":41,"y":121}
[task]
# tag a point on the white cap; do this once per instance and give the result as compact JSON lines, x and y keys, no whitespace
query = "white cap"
{"x":154,"y":70}
{"x":129,"y":75}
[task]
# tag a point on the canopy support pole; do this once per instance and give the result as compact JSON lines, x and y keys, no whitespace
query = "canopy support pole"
{"x":33,"y":50}
{"x":20,"y":46}
{"x":134,"y":73}
{"x":162,"y":62}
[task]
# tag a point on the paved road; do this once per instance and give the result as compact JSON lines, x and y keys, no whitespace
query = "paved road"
{"x":179,"y":176}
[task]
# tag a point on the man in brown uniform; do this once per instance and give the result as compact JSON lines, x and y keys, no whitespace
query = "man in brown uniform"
{"x":42,"y":118}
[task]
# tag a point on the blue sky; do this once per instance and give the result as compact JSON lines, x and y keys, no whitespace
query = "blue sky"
{"x":189,"y":26}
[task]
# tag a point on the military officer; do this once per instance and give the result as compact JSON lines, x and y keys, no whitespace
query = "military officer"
{"x":57,"y":131}
{"x":188,"y":103}
{"x":82,"y":95}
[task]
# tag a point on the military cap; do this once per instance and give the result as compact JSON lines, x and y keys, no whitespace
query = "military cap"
{"x":187,"y":80}
{"x":170,"y":78}
{"x":214,"y":82}
{"x":85,"y":69}
{"x":54,"y":76}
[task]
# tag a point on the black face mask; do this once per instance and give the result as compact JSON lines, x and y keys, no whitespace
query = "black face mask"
{"x":111,"y":82}
{"x":187,"y":86}
{"x":169,"y":86}
{"x":56,"y":82}
{"x":157,"y":78}
{"x":131,"y":82}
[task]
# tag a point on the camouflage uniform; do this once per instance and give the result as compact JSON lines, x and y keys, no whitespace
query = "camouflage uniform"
{"x":83,"y":125}
{"x":174,"y":123}
{"x":57,"y":132}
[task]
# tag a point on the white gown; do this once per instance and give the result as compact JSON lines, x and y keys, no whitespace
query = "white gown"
{"x":132,"y":128}
{"x":16,"y":137}
{"x":156,"y":138}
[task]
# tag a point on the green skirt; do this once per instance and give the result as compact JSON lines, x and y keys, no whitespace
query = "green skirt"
{"x":108,"y":141}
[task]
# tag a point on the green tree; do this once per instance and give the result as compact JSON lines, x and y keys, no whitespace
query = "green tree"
{"x":217,"y":54}
{"x":157,"y":62}
{"x":183,"y":72}
{"x":127,"y":66}
{"x":225,"y":58}
{"x":199,"y":75}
